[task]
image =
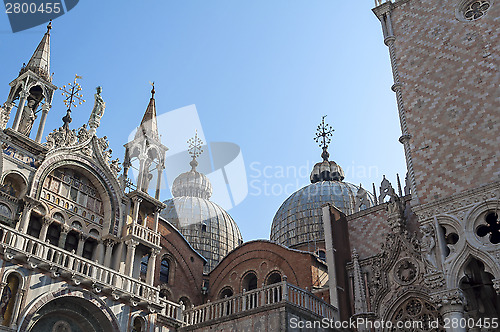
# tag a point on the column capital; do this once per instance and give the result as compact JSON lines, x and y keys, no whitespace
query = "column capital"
{"x":65,"y":228}
{"x":47,"y":220}
{"x":131,"y":243}
{"x":46,"y":107}
{"x":83,"y":236}
{"x":449,"y":300}
{"x":155,"y":252}
{"x":109,"y":242}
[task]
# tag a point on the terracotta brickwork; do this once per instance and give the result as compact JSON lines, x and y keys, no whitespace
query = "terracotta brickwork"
{"x":185,"y":266}
{"x":367,"y":230}
{"x":263,"y":258}
{"x":448,"y":70}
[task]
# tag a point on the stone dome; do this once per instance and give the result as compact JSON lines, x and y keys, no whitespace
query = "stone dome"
{"x":299,"y":219}
{"x":204,"y":224}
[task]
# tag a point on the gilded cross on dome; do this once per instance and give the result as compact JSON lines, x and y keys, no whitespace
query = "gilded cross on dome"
{"x":323,"y":137}
{"x":195,"y":150}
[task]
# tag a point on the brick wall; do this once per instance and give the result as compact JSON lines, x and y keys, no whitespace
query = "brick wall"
{"x":450,"y":90}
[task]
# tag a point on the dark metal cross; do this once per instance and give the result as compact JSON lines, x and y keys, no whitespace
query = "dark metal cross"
{"x":71,"y":92}
{"x":323,"y":137}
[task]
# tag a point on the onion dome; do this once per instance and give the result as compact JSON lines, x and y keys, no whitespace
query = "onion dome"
{"x":205,"y":225}
{"x":192,"y":184}
{"x":298,"y":221}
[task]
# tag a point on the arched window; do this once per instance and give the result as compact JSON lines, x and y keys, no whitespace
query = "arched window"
{"x":34,"y":227}
{"x":274,"y":278}
{"x":185,"y":301}
{"x":8,"y":299}
{"x":138,"y":324}
{"x":321,"y":254}
{"x":76,"y":224}
{"x":58,"y":216}
{"x":226,"y":292}
{"x":71,"y":241}
{"x":89,"y":248}
{"x":249,"y":281}
{"x":164,"y":270}
{"x":416,"y":309}
{"x":53,"y":234}
{"x":5,"y":211}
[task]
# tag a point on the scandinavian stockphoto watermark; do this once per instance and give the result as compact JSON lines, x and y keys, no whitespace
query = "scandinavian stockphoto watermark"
{"x":26,"y":14}
{"x":277,"y":180}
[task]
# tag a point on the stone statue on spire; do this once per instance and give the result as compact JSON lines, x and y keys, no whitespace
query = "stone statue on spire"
{"x":97,"y":111}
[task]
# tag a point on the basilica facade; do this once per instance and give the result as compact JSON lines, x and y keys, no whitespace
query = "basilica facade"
{"x":84,"y":247}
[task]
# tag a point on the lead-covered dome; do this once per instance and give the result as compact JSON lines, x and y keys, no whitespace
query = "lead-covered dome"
{"x":204,"y":224}
{"x":299,"y":219}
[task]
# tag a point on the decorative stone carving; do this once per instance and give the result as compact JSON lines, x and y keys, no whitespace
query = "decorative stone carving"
{"x":83,"y":134}
{"x":496,"y":285}
{"x":386,"y":189}
{"x":406,"y":271}
{"x":361,"y":198}
{"x":115,"y":166}
{"x":61,"y":137}
{"x":435,"y":280}
{"x":449,"y":297}
{"x":5,"y":110}
{"x":428,"y":248}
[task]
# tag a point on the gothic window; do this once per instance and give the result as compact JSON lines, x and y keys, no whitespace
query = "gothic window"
{"x":76,"y":224}
{"x":416,"y":310}
{"x":164,"y":270}
{"x":473,"y":10}
{"x":491,"y":228}
{"x":8,"y":299}
{"x":185,"y":301}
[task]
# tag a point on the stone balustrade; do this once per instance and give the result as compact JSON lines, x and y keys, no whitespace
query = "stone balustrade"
{"x":282,"y":292}
{"x":144,"y":234}
{"x":78,"y":270}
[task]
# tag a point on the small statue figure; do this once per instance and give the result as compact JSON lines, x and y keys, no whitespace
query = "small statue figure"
{"x":28,"y":117}
{"x":83,"y":134}
{"x":115,"y":166}
{"x":427,"y":247}
{"x":97,"y":111}
{"x":362,"y":198}
{"x":5,"y":114}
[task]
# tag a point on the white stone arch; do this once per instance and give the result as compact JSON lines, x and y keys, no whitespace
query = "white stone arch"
{"x":475,"y":213}
{"x":454,"y":223}
{"x":77,"y":218}
{"x":393,"y":304}
{"x":23,"y":178}
{"x":455,"y":271}
{"x":61,"y":211}
{"x":45,"y":298}
{"x":16,"y":270}
{"x":104,"y":181}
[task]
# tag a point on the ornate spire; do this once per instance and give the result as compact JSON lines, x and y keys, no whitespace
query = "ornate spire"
{"x":195,"y":150}
{"x":324,"y":132}
{"x":40,"y":60}
{"x":149,"y":126}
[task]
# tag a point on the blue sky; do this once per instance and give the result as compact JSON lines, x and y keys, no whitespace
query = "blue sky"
{"x":261,"y":74}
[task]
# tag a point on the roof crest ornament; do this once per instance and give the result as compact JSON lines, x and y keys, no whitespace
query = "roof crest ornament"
{"x":323,"y":137}
{"x":195,"y":150}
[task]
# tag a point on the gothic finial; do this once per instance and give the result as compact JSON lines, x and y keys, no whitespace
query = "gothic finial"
{"x":195,"y":149}
{"x":72,"y":98}
{"x":153,"y":89}
{"x":324,"y":132}
{"x":49,"y":26}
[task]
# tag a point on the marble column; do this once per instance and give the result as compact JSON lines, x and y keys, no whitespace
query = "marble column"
{"x":99,"y":252}
{"x":137,"y":203}
{"x":150,"y":273}
{"x":129,"y":260}
{"x":41,"y":126}
{"x":81,"y":242}
{"x":109,"y":250}
{"x":25,"y":217}
{"x":62,"y":237}
{"x":23,"y":96}
{"x":46,"y":221}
